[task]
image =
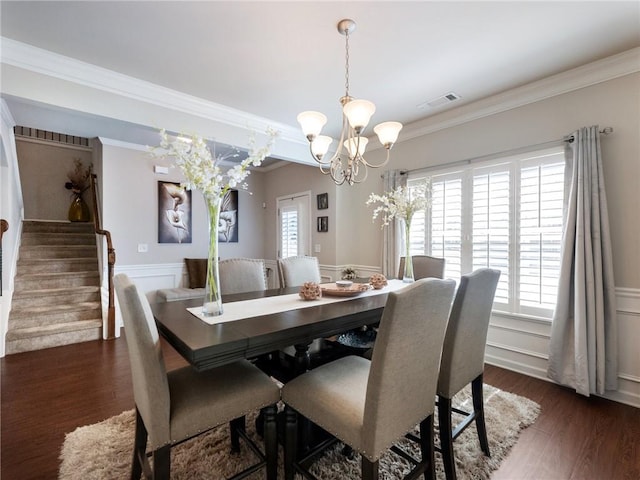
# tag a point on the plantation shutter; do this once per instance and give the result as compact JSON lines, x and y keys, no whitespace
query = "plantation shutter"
{"x":540,"y":231}
{"x":289,"y":231}
{"x":491,"y":219}
{"x":445,"y":240}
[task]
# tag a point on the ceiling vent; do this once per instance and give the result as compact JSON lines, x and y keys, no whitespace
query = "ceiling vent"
{"x":438,"y":102}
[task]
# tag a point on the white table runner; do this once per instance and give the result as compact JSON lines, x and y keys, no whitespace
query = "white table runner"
{"x":280,"y":303}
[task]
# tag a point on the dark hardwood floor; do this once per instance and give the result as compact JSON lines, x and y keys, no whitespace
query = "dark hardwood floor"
{"x":48,"y":393}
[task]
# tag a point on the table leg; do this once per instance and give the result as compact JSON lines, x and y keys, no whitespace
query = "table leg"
{"x":302,"y":361}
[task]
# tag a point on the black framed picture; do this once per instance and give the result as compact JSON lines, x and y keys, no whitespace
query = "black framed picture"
{"x":323,"y":224}
{"x":174,"y":213}
{"x":323,"y":201}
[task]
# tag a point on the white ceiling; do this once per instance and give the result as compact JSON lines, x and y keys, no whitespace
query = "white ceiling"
{"x":275,"y":59}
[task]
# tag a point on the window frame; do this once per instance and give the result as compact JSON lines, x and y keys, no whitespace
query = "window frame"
{"x":514,"y":165}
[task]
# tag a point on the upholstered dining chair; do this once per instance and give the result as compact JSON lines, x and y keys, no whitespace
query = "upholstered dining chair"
{"x":463,"y":360}
{"x":369,"y":405}
{"x":294,"y":271}
{"x":424,"y":266}
{"x":174,"y":406}
{"x":239,"y":275}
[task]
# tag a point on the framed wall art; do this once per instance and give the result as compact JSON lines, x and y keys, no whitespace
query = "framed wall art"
{"x":228,"y":223}
{"x":323,"y":224}
{"x":323,"y":201}
{"x":174,"y":213}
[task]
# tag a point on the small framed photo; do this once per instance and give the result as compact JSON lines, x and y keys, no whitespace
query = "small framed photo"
{"x":323,"y":201}
{"x":323,"y":224}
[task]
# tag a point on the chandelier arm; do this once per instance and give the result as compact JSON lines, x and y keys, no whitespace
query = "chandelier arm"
{"x":364,"y":162}
{"x":320,"y":161}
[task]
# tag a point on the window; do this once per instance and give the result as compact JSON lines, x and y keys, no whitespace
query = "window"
{"x":294,"y":232}
{"x":505,"y":214}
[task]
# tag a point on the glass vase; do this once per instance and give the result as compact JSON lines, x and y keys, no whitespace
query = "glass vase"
{"x":212,"y":305}
{"x":79,"y":210}
{"x":407,"y":276}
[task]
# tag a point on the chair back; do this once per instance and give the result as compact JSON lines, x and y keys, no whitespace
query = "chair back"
{"x":466,"y":337}
{"x":294,"y":271}
{"x":239,"y":275}
{"x":149,"y":374}
{"x":404,"y":367}
{"x":424,"y":266}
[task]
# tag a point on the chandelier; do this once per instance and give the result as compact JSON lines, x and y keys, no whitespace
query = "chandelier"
{"x":348,"y":163}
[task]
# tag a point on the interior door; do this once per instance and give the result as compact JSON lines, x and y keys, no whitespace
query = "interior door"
{"x":294,"y":225}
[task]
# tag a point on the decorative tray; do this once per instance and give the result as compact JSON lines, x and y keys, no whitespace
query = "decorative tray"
{"x":331,"y":289}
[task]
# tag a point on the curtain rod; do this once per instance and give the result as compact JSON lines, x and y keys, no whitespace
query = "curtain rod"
{"x":604,"y":131}
{"x":513,"y":151}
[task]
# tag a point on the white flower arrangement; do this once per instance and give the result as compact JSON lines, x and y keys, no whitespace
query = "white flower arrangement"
{"x":401,"y":203}
{"x":202,"y":170}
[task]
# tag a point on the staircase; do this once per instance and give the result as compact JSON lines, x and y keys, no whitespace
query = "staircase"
{"x":56,"y":298}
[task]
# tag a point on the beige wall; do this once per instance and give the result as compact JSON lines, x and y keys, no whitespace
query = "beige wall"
{"x":615,"y":104}
{"x":296,"y":178}
{"x":130,"y":205}
{"x":43,"y":173}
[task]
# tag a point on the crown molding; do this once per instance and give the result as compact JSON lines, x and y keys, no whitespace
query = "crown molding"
{"x":42,"y":61}
{"x":619,"y":65}
{"x":35,"y":59}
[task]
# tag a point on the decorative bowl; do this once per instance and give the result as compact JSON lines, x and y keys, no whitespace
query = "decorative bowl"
{"x":344,"y":283}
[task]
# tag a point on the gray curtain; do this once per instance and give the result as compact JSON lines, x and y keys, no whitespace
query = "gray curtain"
{"x":583,"y":348}
{"x":392,"y":239}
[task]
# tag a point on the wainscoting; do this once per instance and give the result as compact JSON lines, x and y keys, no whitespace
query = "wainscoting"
{"x":521,"y":344}
{"x":518,"y":343}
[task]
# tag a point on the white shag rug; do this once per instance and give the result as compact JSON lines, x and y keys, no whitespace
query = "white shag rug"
{"x":104,"y":450}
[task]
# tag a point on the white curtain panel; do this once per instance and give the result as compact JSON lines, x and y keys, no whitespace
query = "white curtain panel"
{"x":392,"y":239}
{"x":583,"y":348}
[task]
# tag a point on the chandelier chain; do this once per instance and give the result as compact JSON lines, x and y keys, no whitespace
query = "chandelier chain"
{"x":346,"y":65}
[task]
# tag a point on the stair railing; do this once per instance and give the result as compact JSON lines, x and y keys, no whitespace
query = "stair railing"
{"x":111,"y":261}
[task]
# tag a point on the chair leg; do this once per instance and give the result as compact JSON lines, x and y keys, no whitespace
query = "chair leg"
{"x":478,"y":407}
{"x":234,"y":426}
{"x":369,"y":469}
{"x":291,"y":442}
{"x":446,"y":440}
{"x":162,"y":463}
{"x":427,"y":449}
{"x":271,"y":441}
{"x":139,"y":447}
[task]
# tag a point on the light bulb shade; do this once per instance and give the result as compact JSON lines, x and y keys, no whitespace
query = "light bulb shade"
{"x":320,"y":146}
{"x":388,"y":133}
{"x":311,"y":123}
{"x":359,"y":112}
{"x":355,"y":146}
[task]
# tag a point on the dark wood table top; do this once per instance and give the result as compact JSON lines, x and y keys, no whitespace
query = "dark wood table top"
{"x":207,"y":346}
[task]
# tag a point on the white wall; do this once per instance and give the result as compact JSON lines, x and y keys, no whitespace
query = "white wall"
{"x":11,"y":210}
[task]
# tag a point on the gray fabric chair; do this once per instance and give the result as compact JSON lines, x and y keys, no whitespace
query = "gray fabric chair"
{"x":177,"y":405}
{"x":463,"y":359}
{"x":239,"y":275}
{"x":369,"y":405}
{"x":294,"y":271}
{"x":424,"y":266}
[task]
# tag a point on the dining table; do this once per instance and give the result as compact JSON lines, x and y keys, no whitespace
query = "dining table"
{"x":258,"y":323}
